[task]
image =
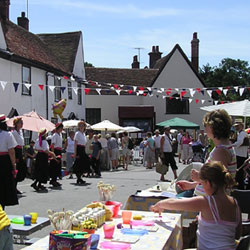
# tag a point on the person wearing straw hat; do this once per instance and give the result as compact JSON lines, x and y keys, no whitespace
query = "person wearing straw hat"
{"x":21,"y":165}
{"x":241,"y":149}
{"x":56,"y":147}
{"x":8,"y":193}
{"x":41,"y":172}
{"x":81,"y":164}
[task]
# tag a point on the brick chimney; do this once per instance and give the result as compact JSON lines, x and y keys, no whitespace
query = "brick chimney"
{"x":135,"y":64}
{"x":154,"y":56}
{"x":4,"y":9}
{"x":23,"y":21}
{"x":195,"y":52}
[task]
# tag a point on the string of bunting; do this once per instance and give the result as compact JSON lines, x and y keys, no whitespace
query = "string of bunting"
{"x":106,"y":88}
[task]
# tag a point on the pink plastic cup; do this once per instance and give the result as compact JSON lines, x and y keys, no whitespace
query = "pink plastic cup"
{"x":126,"y":217}
{"x":108,"y":230}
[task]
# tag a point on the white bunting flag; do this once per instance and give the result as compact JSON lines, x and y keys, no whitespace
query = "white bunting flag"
{"x":27,"y":85}
{"x":220,"y":88}
{"x":241,"y":91}
{"x":190,"y":100}
{"x":215,"y":102}
{"x":202,"y":101}
{"x":225,"y":91}
{"x":3,"y":84}
{"x":52,"y":88}
{"x":149,"y":89}
{"x":75,"y":90}
{"x":236,"y":89}
{"x":192,"y":91}
{"x":134,"y":87}
{"x":210,"y":92}
{"x":121,"y":85}
{"x":72,"y":78}
{"x":141,"y":92}
{"x":163,"y":97}
{"x":177,"y":89}
{"x":98,"y":91}
{"x":137,"y":93}
{"x":162,"y":89}
{"x":159,"y":91}
{"x":118,"y":91}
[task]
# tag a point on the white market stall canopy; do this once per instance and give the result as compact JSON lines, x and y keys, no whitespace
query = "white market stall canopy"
{"x":106,"y":125}
{"x":129,"y":129}
{"x":73,"y":123}
{"x":241,"y":108}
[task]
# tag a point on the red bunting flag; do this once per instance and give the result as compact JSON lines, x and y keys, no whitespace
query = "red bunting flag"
{"x":198,"y":89}
{"x":218,"y":91}
{"x":141,"y":88}
{"x":41,"y":86}
{"x":87,"y":91}
{"x":65,"y":77}
{"x":168,"y":92}
{"x":196,"y":100}
{"x":130,"y":91}
{"x":222,"y":102}
{"x":170,"y":98}
{"x":183,"y":93}
{"x":248,"y":89}
{"x":116,"y":86}
{"x":144,"y":94}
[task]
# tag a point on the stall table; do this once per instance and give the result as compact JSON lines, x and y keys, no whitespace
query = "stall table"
{"x":20,"y":232}
{"x":168,"y":235}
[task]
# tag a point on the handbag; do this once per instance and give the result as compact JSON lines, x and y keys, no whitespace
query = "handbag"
{"x":160,"y":168}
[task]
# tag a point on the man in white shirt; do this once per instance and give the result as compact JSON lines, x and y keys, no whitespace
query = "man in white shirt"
{"x":241,"y":150}
{"x":157,"y":139}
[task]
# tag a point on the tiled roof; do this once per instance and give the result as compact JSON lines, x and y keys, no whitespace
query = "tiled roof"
{"x":133,"y":77}
{"x":27,"y":45}
{"x":64,"y":46}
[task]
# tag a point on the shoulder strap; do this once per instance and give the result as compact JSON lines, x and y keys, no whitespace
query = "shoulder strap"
{"x":212,"y":207}
{"x":237,"y":211}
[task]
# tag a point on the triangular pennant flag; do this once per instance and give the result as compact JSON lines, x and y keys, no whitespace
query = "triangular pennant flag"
{"x":118,"y":91}
{"x":220,"y":88}
{"x":198,"y":90}
{"x":149,"y":89}
{"x":72,"y":78}
{"x":192,"y":91}
{"x":63,"y":89}
{"x":168,"y":92}
{"x":144,"y":94}
{"x":75,"y":90}
{"x":41,"y":86}
{"x":241,"y":91}
{"x":141,"y":88}
{"x":177,"y":89}
{"x":236,"y":88}
{"x":215,"y":102}
{"x":52,"y":88}
{"x":183,"y":93}
{"x":121,"y":85}
{"x":86,"y":91}
{"x":3,"y":84}
{"x":15,"y":84}
{"x":130,"y":91}
{"x":225,"y":91}
{"x":202,"y":92}
{"x":210,"y":92}
{"x":163,"y":97}
{"x":159,"y":91}
{"x":162,"y":89}
{"x":218,"y":91}
{"x":134,"y":87}
{"x":157,"y":96}
{"x":98,"y":91}
{"x":196,"y":100}
{"x":58,"y":78}
{"x":202,"y":101}
{"x":141,"y":92}
{"x":115,"y":86}
{"x":222,"y":102}
{"x":27,"y":85}
{"x":190,"y":100}
{"x":65,"y":77}
{"x":137,"y":93}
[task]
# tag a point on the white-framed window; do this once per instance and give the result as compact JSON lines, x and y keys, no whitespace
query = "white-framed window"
{"x":57,"y":90}
{"x":70,"y":96}
{"x":79,"y":93}
{"x":26,"y":79}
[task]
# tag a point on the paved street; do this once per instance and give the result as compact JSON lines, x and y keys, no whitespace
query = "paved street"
{"x":74,"y":197}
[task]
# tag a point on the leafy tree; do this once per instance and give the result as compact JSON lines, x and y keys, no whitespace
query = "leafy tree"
{"x":87,"y":64}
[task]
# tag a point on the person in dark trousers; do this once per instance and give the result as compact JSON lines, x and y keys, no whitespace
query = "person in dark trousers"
{"x":95,"y":156}
{"x":56,"y":147}
{"x":8,"y":193}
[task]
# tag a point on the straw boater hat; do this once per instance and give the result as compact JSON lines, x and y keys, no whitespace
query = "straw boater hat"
{"x":157,"y":131}
{"x":16,"y":120}
{"x":43,"y":131}
{"x":3,"y":118}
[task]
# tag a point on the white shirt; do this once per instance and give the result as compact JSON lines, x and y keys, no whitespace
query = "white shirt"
{"x":167,"y":146}
{"x":80,"y":138}
{"x":70,"y":145}
{"x":88,"y":148}
{"x":44,"y":147}
{"x":7,"y":141}
{"x":157,"y":140}
{"x":56,"y":139}
{"x":241,"y":151}
{"x":18,"y":137}
{"x":104,"y":142}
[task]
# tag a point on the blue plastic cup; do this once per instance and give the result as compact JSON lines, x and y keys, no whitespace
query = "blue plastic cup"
{"x":27,"y":220}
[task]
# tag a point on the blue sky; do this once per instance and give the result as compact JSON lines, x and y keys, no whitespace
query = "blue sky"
{"x":112,"y":29}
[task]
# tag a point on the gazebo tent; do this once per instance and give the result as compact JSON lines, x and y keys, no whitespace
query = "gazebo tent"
{"x":178,"y":123}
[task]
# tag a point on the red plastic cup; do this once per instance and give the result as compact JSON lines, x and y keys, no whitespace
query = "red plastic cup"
{"x":126,"y":217}
{"x":108,"y":230}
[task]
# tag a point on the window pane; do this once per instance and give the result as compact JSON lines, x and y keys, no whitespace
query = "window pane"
{"x":57,"y":90}
{"x":70,"y":90}
{"x":25,"y":79}
{"x":177,"y":106}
